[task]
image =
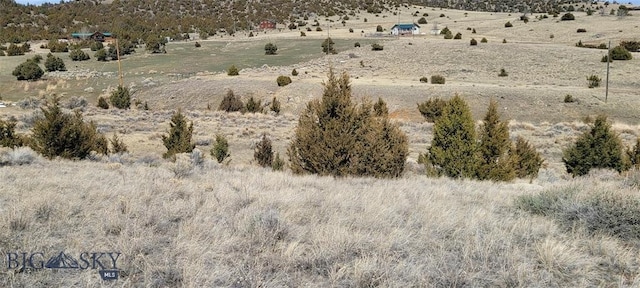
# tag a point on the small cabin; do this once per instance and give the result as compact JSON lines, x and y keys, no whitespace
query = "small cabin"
{"x":96,"y":36}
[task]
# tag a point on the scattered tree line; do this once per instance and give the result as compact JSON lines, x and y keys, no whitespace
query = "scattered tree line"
{"x":60,"y":134}
{"x":458,"y":151}
{"x":338,"y":137}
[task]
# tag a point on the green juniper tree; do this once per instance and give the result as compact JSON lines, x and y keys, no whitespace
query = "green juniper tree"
{"x":14,"y":50}
{"x":233,"y":71}
{"x":78,"y":55}
{"x":495,"y":161}
{"x":453,"y":149}
{"x":8,"y":136}
{"x":231,"y":103}
{"x":527,"y":160}
{"x":96,"y":45}
{"x":101,"y":55}
{"x":263,"y":153}
{"x":29,"y":70}
{"x":600,"y":147}
{"x":253,"y":106}
{"x":156,"y":44}
{"x":179,"y":138}
{"x":432,"y":109}
{"x":327,"y":46}
{"x":337,"y":137}
{"x":54,"y":63}
{"x":117,"y":145}
{"x":65,"y":135}
{"x":220,"y":149}
{"x":121,"y":98}
{"x":270,"y":49}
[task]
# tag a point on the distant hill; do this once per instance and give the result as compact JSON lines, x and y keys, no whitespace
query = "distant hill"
{"x":138,"y":19}
{"x":173,"y":18}
{"x":512,"y":6}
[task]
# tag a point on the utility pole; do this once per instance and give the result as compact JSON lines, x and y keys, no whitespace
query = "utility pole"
{"x":328,"y":38}
{"x":119,"y":65}
{"x":398,"y":23}
{"x":606,"y":93}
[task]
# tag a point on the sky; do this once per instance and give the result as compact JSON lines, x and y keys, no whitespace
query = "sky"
{"x":38,"y":2}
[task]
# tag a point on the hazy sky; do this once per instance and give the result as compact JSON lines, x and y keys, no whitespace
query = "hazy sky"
{"x":37,"y":2}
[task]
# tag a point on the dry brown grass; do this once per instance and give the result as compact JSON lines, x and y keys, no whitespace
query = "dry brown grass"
{"x":250,"y":227}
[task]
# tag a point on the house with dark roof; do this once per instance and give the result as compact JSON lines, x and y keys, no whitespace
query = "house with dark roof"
{"x":96,"y":36}
{"x":405,"y":29}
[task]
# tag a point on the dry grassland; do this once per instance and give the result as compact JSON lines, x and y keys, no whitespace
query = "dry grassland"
{"x":249,"y":227}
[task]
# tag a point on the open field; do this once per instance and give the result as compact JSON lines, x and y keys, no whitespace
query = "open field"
{"x":249,"y":227}
{"x":209,"y":225}
{"x":91,"y":78}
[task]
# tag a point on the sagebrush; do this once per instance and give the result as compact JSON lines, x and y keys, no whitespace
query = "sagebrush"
{"x":231,"y":103}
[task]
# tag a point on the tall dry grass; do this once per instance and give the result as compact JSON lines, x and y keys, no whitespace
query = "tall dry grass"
{"x":240,"y":226}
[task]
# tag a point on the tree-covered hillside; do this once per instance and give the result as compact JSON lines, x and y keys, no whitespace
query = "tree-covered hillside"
{"x":535,"y":6}
{"x":138,"y":19}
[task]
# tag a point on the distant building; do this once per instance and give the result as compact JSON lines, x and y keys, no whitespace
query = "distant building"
{"x":267,"y":24}
{"x":435,"y":30}
{"x":405,"y":29}
{"x":96,"y":36}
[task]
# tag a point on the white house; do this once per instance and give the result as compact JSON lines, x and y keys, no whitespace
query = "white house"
{"x":405,"y":29}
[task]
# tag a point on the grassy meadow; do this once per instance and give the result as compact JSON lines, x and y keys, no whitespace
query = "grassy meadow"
{"x":183,"y":60}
